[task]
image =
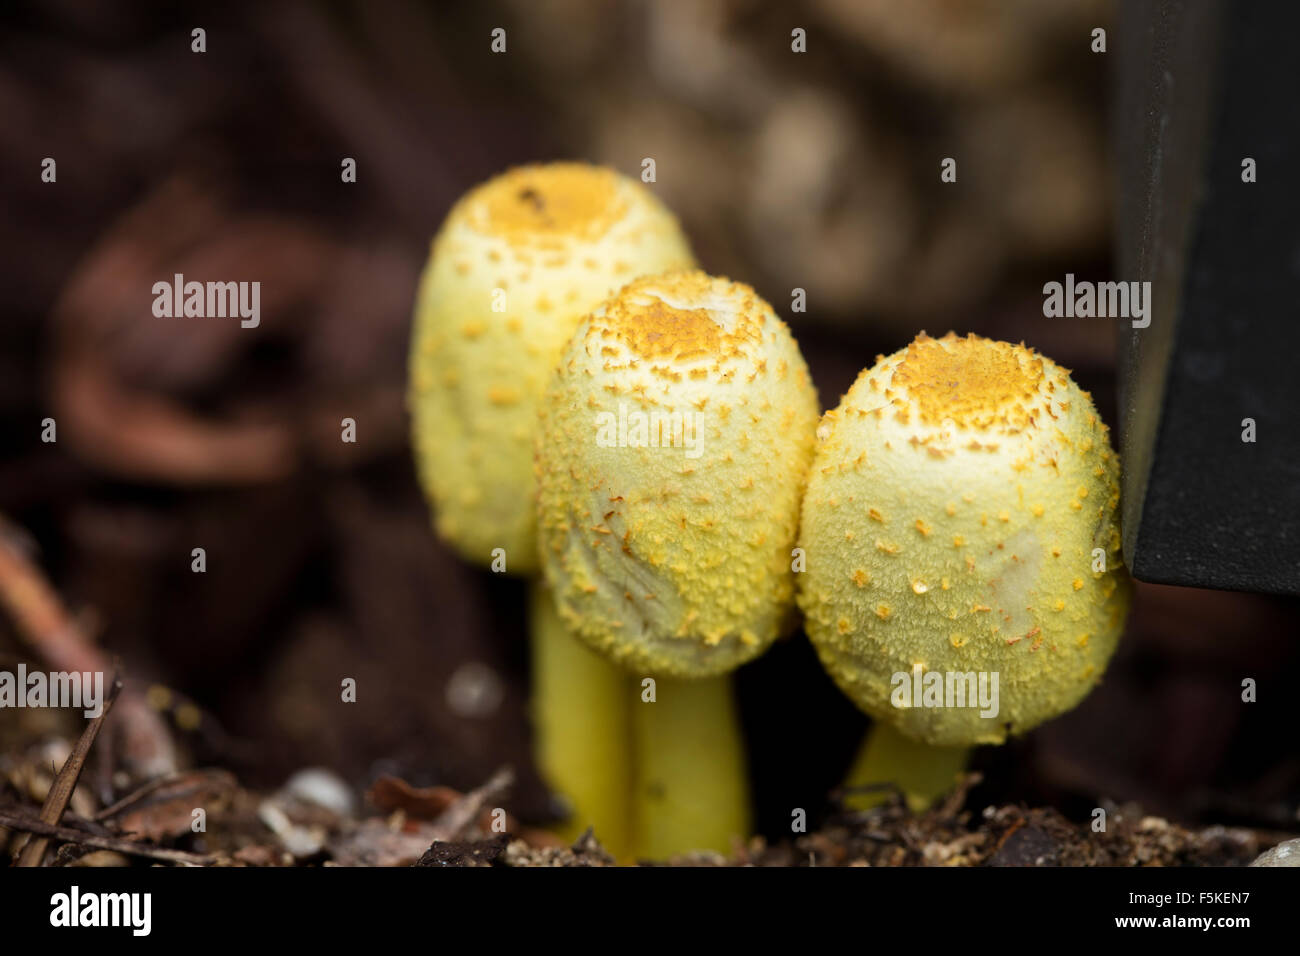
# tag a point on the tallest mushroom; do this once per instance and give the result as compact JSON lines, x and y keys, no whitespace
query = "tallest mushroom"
{"x":518,"y":262}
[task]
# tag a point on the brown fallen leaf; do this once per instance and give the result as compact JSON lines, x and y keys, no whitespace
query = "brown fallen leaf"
{"x":165,"y":810}
{"x":389,"y":794}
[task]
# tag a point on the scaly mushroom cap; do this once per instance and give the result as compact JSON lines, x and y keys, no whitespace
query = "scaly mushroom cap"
{"x":953,"y":508}
{"x":675,"y":442}
{"x":543,"y":245}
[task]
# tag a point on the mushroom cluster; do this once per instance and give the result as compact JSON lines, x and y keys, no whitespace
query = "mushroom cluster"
{"x":645,"y":436}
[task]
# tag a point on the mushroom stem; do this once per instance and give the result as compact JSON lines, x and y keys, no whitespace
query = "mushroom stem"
{"x":582,"y":720}
{"x":924,"y":773}
{"x":690,"y":775}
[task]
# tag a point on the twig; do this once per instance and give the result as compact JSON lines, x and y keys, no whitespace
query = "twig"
{"x":67,"y":834}
{"x":46,"y":625}
{"x":171,"y":787}
{"x":460,"y":816}
{"x":132,"y":798}
{"x":36,"y":609}
{"x":56,"y":801}
{"x":955,"y":800}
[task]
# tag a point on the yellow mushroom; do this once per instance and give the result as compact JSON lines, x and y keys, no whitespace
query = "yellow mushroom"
{"x":676,"y":437}
{"x":518,"y":262}
{"x":675,"y":440}
{"x":991,"y":477}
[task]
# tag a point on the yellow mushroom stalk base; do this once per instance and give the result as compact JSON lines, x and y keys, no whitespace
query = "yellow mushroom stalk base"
{"x":582,"y":711}
{"x":690,"y":789}
{"x":961,"y":524}
{"x":923,"y":773}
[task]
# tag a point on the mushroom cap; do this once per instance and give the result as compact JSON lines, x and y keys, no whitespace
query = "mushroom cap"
{"x":543,"y":244}
{"x":676,"y":438}
{"x":953,"y":508}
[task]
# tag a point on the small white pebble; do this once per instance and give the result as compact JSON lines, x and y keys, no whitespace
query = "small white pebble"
{"x":323,"y":788}
{"x":1284,"y":854}
{"x":474,"y":690}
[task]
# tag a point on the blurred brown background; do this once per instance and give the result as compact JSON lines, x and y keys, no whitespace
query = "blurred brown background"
{"x":817,"y":170}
